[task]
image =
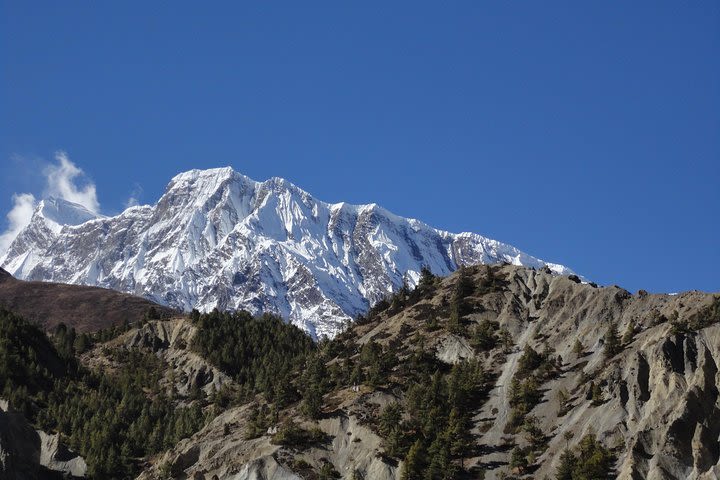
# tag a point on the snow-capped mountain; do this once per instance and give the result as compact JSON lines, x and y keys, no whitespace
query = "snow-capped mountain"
{"x":219,"y":239}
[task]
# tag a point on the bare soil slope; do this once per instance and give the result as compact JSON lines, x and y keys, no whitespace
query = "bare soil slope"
{"x":85,"y":308}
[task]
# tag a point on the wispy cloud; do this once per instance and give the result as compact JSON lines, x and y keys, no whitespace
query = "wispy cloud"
{"x":18,"y":218}
{"x":134,"y":199}
{"x":63,"y":180}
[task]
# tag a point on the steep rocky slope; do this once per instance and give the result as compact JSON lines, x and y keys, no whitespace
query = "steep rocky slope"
{"x":169,"y":340}
{"x":219,"y":239}
{"x":650,"y":399}
{"x":492,"y":372}
{"x":84,"y":308}
{"x":29,"y":454}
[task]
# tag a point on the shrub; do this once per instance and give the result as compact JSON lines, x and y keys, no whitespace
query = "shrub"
{"x":612,"y":343}
{"x":292,"y":435}
{"x":484,"y":336}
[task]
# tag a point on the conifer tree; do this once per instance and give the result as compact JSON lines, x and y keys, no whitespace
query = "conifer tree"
{"x":414,"y":462}
{"x":566,"y":466}
{"x":312,"y":403}
{"x":439,"y":459}
{"x":518,"y":459}
{"x":612,"y":341}
{"x":427,"y":280}
{"x":459,"y":434}
{"x":629,"y":334}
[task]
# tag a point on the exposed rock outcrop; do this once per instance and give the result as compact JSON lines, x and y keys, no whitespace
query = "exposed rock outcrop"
{"x":658,"y":411}
{"x":29,"y":454}
{"x":170,"y":341}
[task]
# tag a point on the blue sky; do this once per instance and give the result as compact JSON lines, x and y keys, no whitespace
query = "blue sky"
{"x":588,"y":135}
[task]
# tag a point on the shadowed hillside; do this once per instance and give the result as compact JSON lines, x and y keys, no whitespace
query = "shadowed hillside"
{"x":87,"y":309}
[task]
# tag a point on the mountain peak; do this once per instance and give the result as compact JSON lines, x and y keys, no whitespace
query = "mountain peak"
{"x":195,"y":174}
{"x":218,"y":239}
{"x":58,"y":212}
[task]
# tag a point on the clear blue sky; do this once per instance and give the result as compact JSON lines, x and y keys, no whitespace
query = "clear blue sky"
{"x":587,"y":135}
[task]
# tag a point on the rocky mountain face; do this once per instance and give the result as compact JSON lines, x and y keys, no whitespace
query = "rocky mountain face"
{"x":168,"y":340}
{"x":554,"y":378}
{"x":217,"y":239}
{"x":492,"y":372}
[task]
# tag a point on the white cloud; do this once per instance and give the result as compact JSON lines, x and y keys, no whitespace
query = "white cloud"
{"x":61,"y":183}
{"x":134,"y":199}
{"x":18,"y":218}
{"x":62,"y":180}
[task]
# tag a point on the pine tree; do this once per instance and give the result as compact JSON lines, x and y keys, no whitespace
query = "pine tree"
{"x":458,"y":305}
{"x":414,"y":462}
{"x":390,"y":417}
{"x":459,"y":434}
{"x":535,"y":436}
{"x":612,"y":341}
{"x":312,"y":403}
{"x":427,"y":279}
{"x":464,"y":285}
{"x":356,"y":377}
{"x":596,"y":394}
{"x":284,"y":392}
{"x":629,"y":334}
{"x":594,"y":460}
{"x":529,"y":361}
{"x":439,"y":459}
{"x":393,"y":443}
{"x":518,"y":459}
{"x":564,"y":401}
{"x":566,"y":466}
{"x":455,"y":322}
{"x":484,"y":336}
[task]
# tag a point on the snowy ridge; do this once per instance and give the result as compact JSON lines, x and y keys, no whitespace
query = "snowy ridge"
{"x":216,"y":238}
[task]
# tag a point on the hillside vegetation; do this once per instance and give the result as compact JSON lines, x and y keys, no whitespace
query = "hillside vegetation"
{"x":493,"y":372}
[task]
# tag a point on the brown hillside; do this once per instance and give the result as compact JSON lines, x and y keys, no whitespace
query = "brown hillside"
{"x":85,"y":308}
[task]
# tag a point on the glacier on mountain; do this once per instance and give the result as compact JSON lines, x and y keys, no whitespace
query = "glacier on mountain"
{"x":217,"y":239}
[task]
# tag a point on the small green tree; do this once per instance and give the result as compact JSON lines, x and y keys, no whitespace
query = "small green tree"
{"x":454,"y":324}
{"x":506,"y":340}
{"x":594,"y":461}
{"x":566,"y":466}
{"x":596,"y":394}
{"x":459,"y":307}
{"x":426,"y":283}
{"x":564,"y":401}
{"x":432,"y":323}
{"x":328,"y":472}
{"x":484,"y":336}
{"x":414,"y":462}
{"x":459,"y":434}
{"x":440,"y":466}
{"x":629,"y":334}
{"x":529,"y":361}
{"x":534,"y":434}
{"x":518,"y":459}
{"x":390,"y":417}
{"x":312,"y":403}
{"x":393,"y":443}
{"x":612,"y":343}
